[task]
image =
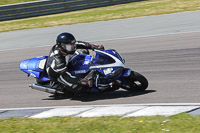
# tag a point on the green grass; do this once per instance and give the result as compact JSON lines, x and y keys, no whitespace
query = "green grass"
{"x":135,"y":9}
{"x":5,"y":2}
{"x":182,"y":123}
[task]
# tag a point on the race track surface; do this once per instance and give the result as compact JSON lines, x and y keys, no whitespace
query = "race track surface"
{"x":170,"y":63}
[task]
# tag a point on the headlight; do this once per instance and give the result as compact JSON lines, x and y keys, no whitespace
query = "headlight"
{"x":116,"y":72}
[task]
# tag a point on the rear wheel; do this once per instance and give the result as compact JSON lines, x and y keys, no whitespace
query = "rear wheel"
{"x":137,"y":82}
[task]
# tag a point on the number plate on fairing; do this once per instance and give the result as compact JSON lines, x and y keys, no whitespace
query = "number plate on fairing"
{"x":108,"y":71}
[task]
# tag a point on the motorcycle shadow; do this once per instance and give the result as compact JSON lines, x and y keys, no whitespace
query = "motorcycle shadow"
{"x":102,"y":96}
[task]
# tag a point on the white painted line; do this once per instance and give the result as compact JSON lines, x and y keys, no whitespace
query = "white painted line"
{"x":143,"y":36}
{"x":107,"y":105}
{"x":146,"y":36}
{"x":115,"y":110}
{"x":110,"y":111}
{"x":162,"y":110}
{"x":60,"y":112}
{"x":124,"y":110}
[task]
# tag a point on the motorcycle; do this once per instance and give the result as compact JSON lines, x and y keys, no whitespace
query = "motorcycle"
{"x":108,"y":65}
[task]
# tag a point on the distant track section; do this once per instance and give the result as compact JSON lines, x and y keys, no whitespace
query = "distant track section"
{"x":46,"y":7}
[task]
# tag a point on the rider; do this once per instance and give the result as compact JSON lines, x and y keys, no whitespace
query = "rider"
{"x":59,"y":56}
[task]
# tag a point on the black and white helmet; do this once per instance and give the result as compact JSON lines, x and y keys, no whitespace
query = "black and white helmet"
{"x":66,"y":42}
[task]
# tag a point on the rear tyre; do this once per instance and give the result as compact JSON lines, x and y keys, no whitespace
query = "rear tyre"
{"x":137,"y":82}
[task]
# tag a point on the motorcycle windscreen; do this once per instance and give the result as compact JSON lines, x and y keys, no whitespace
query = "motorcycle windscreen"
{"x":116,"y":54}
{"x":102,"y":59}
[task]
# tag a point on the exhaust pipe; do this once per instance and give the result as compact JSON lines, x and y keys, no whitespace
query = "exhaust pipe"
{"x":44,"y":89}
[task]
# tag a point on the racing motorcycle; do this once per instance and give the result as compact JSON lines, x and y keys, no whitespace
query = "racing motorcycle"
{"x":108,"y":65}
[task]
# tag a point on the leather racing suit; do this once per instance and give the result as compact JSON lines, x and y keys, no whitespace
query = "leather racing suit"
{"x":57,"y":66}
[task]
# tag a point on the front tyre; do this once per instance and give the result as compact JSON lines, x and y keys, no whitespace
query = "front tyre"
{"x":137,"y":82}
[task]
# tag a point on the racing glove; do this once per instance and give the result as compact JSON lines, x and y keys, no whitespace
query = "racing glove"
{"x":86,"y":82}
{"x":99,"y":47}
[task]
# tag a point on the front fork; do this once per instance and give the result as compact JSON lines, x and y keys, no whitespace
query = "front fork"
{"x":121,"y":82}
{"x":124,"y":79}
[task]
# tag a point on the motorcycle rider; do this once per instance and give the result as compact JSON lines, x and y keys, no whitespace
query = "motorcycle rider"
{"x":60,"y":54}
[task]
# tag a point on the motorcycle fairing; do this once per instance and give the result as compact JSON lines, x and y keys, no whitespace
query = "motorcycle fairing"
{"x":118,"y":73}
{"x":108,"y":62}
{"x":116,"y":54}
{"x":126,"y":72}
{"x":106,"y":59}
{"x":35,"y":67}
{"x":110,"y":77}
{"x":79,"y":65}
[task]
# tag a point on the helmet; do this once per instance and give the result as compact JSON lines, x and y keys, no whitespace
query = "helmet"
{"x":66,"y":42}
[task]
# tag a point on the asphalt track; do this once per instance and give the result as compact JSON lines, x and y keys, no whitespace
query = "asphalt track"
{"x":170,"y":63}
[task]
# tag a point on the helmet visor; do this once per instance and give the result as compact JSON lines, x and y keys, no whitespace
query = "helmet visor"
{"x":68,"y":47}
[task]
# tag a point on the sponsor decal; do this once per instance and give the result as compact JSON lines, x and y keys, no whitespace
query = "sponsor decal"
{"x":107,"y":71}
{"x":79,"y":71}
{"x":86,"y":62}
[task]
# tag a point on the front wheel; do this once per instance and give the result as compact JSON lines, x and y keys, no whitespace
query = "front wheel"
{"x":137,"y":82}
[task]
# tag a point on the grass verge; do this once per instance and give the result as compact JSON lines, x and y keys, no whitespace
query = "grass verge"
{"x":178,"y":124}
{"x":5,"y":2}
{"x":135,"y":9}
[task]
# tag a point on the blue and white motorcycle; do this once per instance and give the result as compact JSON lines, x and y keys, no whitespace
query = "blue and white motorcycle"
{"x":110,"y":73}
